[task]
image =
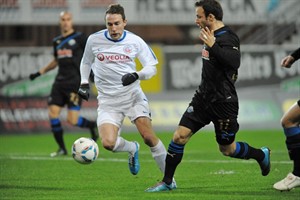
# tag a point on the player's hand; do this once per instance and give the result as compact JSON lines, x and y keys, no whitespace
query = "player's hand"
{"x":33,"y":76}
{"x":84,"y":91}
{"x":287,"y":61}
{"x":129,"y":78}
{"x":207,"y":36}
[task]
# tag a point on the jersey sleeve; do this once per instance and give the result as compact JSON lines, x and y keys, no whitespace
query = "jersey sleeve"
{"x":147,"y":72}
{"x":86,"y":61}
{"x":296,"y":54}
{"x":227,"y":51}
{"x":146,"y":56}
{"x":148,"y":60}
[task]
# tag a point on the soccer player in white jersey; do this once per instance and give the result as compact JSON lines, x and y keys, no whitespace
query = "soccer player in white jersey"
{"x":113,"y":52}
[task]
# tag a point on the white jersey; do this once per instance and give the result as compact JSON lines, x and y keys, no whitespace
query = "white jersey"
{"x":112,"y":59}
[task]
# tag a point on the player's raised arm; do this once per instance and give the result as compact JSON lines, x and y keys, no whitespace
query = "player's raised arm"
{"x":52,"y":65}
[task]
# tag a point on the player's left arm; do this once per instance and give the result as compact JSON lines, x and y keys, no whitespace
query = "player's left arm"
{"x":227,"y":52}
{"x":148,"y":60}
{"x":147,"y":72}
{"x":296,"y":54}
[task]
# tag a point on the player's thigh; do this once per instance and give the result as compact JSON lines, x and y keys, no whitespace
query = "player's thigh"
{"x":109,"y":134}
{"x":143,"y":124}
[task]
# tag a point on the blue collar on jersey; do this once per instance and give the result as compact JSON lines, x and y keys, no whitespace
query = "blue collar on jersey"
{"x":67,"y":40}
{"x":119,"y":40}
{"x":220,"y":33}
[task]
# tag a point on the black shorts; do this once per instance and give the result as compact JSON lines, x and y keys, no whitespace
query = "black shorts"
{"x":298,"y":102}
{"x":61,"y":95}
{"x":201,"y":113}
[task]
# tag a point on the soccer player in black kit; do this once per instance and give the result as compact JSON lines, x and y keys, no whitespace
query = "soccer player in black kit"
{"x":290,"y":122}
{"x":68,"y":51}
{"x":216,"y":99}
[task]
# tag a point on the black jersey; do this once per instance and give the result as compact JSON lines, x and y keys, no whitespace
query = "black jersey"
{"x":296,"y":54}
{"x":68,"y":52}
{"x":220,"y":67}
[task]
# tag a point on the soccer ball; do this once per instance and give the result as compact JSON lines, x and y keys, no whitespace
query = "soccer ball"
{"x":85,"y":150}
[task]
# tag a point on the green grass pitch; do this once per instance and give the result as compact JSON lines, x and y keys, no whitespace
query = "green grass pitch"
{"x":27,"y":171}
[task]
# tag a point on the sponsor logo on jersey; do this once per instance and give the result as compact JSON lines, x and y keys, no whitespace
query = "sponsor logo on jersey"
{"x":64,"y":53}
{"x":205,"y":54}
{"x":113,"y":58}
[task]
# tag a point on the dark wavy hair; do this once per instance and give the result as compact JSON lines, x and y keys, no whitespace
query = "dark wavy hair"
{"x":211,"y":7}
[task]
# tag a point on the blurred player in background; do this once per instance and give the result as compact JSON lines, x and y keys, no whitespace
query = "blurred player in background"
{"x":118,"y":83}
{"x":68,"y":51}
{"x":215,"y":99}
{"x":290,"y":124}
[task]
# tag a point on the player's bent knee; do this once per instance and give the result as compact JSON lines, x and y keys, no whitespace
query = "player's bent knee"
{"x":287,"y":122}
{"x":108,"y":145}
{"x":226,"y":150}
{"x":179,"y":139}
{"x":283,"y":122}
{"x":225,"y":153}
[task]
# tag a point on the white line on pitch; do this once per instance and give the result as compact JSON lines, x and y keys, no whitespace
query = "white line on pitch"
{"x":15,"y":157}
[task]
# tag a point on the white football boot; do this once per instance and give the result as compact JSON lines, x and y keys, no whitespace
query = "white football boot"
{"x":289,"y":182}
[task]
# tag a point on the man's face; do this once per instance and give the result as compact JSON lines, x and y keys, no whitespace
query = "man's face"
{"x":66,"y":22}
{"x":201,"y":20}
{"x":115,"y":25}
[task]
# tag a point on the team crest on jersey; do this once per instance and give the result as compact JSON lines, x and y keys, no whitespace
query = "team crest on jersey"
{"x":127,"y":49}
{"x":190,"y":109}
{"x":72,"y":42}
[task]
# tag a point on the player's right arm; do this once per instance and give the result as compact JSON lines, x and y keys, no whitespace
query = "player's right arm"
{"x":52,"y":65}
{"x":87,"y":61}
{"x":85,"y":70}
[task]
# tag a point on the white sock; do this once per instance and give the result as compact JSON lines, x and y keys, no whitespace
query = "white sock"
{"x":123,"y":145}
{"x":159,"y":154}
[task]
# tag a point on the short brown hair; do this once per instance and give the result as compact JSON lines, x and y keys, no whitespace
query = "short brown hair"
{"x":116,"y":9}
